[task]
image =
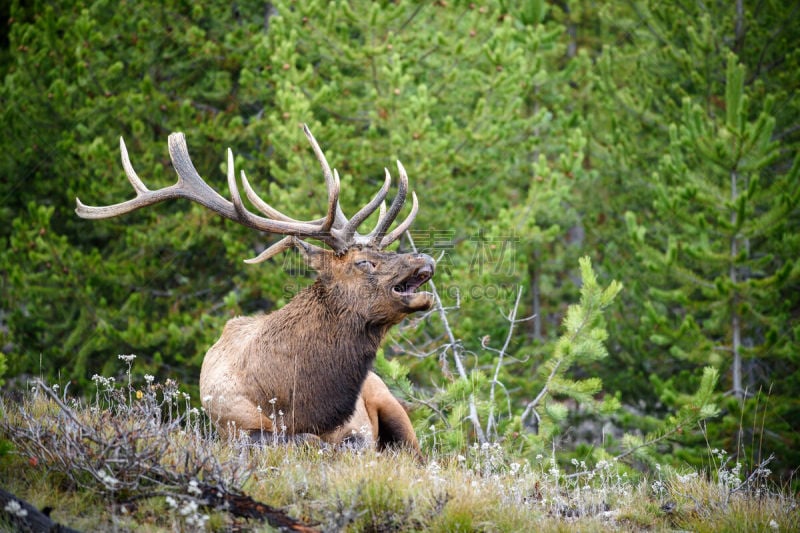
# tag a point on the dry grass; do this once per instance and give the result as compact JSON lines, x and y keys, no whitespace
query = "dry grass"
{"x":142,"y":459}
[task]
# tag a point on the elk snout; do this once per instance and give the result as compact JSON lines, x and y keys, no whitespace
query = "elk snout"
{"x":428,"y":267}
{"x":406,"y":290}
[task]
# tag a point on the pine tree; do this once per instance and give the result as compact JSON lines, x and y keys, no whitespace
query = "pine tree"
{"x":724,"y":209}
{"x":701,"y":156}
{"x":476,"y":403}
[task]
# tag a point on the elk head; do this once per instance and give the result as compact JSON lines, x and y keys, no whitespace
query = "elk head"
{"x":381,"y":286}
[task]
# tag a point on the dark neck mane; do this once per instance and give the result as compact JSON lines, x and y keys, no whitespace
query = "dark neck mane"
{"x":334,"y":350}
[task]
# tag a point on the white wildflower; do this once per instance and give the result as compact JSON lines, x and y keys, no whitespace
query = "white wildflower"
{"x":107,"y":479}
{"x":15,"y":508}
{"x":193,"y":489}
{"x":127,"y":358}
{"x":687,"y":478}
{"x":149,"y":378}
{"x":190,"y":507}
{"x":659,"y":487}
{"x":198,"y":520}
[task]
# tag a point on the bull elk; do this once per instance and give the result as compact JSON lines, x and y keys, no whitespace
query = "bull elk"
{"x":310,"y":359}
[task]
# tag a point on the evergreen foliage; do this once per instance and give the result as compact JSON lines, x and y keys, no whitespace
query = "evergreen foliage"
{"x":704,"y":153}
{"x":658,"y":139}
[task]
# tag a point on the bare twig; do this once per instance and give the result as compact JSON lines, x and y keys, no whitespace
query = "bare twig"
{"x":129,"y":452}
{"x":512,"y":321}
{"x":455,"y":347}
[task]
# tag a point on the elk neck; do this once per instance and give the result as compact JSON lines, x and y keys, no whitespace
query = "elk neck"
{"x":332,"y":348}
{"x":347,"y":318}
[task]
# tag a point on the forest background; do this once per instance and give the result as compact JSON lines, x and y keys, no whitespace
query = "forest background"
{"x":660,"y":139}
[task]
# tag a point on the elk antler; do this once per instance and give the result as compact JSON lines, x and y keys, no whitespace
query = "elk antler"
{"x":334,"y":229}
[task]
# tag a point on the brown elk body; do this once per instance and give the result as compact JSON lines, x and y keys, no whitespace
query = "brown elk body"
{"x":310,"y":358}
{"x":305,"y":368}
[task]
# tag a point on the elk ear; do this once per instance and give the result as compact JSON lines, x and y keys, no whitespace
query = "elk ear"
{"x":315,"y":257}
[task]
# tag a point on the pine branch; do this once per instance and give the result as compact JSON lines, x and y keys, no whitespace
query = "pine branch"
{"x":593,"y":301}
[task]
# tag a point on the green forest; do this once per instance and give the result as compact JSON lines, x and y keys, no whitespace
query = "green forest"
{"x":611,"y":191}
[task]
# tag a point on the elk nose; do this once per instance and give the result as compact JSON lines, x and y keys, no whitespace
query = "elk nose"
{"x":428,"y":265}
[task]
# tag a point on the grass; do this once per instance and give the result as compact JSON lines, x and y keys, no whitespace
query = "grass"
{"x":142,"y":459}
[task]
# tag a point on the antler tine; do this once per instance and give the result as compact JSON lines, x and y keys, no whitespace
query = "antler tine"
{"x":333,"y":204}
{"x":267,"y":209}
{"x":96,"y":212}
{"x":330,"y":182}
{"x":386,"y":221}
{"x":92,"y":212}
{"x":196,"y":189}
{"x":273,"y":250}
{"x":301,"y":229}
{"x":243,"y":213}
{"x":381,"y":214}
{"x":399,"y":230}
{"x":137,"y":183}
{"x":378,"y":200}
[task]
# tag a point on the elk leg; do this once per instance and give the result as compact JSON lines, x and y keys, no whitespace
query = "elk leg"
{"x":359,"y":430}
{"x":390,"y":423}
{"x":238,"y":414}
{"x":378,"y":418}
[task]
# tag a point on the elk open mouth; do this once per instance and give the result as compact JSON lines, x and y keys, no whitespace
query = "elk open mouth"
{"x":410,"y":285}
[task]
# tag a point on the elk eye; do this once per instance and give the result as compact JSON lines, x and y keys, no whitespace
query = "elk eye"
{"x":366,"y":265}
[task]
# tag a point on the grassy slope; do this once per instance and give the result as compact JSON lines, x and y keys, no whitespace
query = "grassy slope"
{"x":133,"y":464}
